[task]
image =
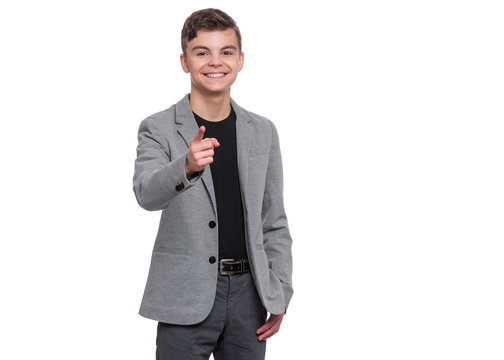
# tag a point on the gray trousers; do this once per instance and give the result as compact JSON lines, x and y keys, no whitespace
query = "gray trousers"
{"x":229,"y":332}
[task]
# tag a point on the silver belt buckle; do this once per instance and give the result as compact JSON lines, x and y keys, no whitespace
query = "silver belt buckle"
{"x":228,"y":261}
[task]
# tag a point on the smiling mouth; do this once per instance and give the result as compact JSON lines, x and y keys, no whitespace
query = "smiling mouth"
{"x":215,"y":75}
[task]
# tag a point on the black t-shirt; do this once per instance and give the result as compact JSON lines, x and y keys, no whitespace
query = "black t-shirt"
{"x":227,"y":186}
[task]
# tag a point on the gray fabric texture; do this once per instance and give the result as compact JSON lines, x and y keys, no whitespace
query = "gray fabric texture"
{"x":181,"y":283}
{"x":229,"y":331}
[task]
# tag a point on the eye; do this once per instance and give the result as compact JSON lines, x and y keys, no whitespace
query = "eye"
{"x":201,"y":53}
{"x":228,"y":52}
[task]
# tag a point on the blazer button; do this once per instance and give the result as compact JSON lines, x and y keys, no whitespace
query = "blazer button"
{"x":212,"y":259}
{"x":211,"y":224}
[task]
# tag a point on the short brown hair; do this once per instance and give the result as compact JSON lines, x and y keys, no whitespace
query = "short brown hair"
{"x":207,"y":20}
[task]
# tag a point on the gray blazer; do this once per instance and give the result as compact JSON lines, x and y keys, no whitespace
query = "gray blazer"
{"x":182,"y":279}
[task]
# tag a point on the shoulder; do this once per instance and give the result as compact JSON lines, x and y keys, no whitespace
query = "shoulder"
{"x":259,"y":119}
{"x":259,"y":122}
{"x":160,"y":122}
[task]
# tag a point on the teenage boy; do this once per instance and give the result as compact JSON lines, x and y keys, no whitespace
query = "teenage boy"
{"x":222,"y":255}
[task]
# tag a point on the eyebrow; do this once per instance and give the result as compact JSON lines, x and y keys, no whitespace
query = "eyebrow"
{"x":200,"y":47}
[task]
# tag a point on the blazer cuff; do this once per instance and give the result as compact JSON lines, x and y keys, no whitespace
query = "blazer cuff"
{"x":196,"y":176}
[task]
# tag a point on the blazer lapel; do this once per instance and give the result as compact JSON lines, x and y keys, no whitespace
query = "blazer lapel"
{"x":187,"y":128}
{"x":243,"y":143}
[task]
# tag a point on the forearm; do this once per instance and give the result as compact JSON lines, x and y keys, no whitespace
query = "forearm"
{"x":156,"y":189}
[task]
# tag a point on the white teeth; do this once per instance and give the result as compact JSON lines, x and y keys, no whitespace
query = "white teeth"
{"x":215,"y":75}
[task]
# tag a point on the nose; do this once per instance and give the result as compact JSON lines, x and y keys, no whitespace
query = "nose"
{"x":215,"y":61}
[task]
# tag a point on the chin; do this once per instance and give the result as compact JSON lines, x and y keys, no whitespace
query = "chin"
{"x":220,"y":90}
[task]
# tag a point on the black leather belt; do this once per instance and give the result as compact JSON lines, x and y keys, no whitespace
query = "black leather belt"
{"x":232,"y":266}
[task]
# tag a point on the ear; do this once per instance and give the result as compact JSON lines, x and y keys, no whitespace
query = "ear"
{"x":240,"y":61}
{"x":183,"y":62}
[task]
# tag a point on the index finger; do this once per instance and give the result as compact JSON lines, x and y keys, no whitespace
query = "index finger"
{"x":199,"y":134}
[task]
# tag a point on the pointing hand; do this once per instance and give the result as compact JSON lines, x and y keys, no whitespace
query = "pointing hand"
{"x":200,"y":152}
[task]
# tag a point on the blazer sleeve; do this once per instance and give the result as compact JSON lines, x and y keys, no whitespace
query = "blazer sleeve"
{"x":158,"y":178}
{"x":276,"y":235}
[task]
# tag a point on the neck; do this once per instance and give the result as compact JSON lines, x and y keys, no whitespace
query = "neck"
{"x":213,"y":107}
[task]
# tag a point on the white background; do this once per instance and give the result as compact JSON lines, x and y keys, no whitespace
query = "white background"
{"x":390,"y":116}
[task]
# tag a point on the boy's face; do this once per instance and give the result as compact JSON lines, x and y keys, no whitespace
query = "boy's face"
{"x":214,"y":60}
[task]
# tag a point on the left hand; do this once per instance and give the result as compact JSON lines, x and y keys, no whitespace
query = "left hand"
{"x":270,"y":328}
